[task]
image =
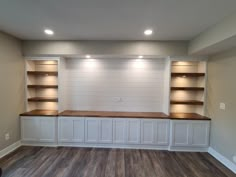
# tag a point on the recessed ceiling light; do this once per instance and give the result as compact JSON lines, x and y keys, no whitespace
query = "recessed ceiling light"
{"x":48,"y":32}
{"x":140,"y":56}
{"x":88,"y":56}
{"x":148,"y":32}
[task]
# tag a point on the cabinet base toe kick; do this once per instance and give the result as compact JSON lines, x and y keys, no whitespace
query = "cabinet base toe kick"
{"x":156,"y":134}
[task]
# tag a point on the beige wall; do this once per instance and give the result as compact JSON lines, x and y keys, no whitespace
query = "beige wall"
{"x":12,"y":88}
{"x":221,"y":88}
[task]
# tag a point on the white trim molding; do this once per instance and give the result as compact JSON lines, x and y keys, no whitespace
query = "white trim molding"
{"x":9,"y":149}
{"x":226,"y":162}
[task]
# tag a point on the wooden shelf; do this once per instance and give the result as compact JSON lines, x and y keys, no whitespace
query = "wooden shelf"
{"x":40,"y":112}
{"x":43,"y":99}
{"x":47,"y":73}
{"x":42,"y":86}
{"x":188,"y":88}
{"x":187,"y":74}
{"x":187,"y":102}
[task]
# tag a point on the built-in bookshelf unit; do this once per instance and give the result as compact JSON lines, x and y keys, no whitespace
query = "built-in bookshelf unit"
{"x":41,"y":84}
{"x":171,"y":85}
{"x":187,"y":92}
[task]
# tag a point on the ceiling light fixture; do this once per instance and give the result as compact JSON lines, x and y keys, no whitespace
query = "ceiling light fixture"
{"x":140,"y":56}
{"x":148,"y":32}
{"x":88,"y":56}
{"x":48,"y":32}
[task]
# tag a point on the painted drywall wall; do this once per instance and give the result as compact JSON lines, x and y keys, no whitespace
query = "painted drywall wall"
{"x":12,"y":88}
{"x":217,"y":38}
{"x":221,"y":88}
{"x":117,"y":48}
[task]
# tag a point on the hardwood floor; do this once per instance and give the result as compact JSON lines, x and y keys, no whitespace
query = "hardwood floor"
{"x":90,"y":162}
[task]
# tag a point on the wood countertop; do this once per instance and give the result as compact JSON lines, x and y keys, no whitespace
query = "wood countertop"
{"x":71,"y":113}
{"x":40,"y":112}
{"x":187,"y":116}
{"x":111,"y":114}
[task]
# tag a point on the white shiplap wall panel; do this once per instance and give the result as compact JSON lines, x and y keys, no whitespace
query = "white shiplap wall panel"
{"x":95,"y":84}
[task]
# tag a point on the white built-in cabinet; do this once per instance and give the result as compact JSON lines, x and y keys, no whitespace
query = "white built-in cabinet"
{"x":116,"y":132}
{"x":113,"y":131}
{"x":189,"y":133}
{"x":155,"y":132}
{"x":105,"y":130}
{"x":71,"y":129}
{"x":98,"y":130}
{"x":119,"y":131}
{"x":39,"y":129}
{"x":133,"y":131}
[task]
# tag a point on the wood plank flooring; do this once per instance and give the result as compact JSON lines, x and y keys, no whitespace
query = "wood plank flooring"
{"x":91,"y":162}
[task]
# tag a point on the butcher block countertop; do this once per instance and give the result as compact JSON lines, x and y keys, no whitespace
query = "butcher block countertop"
{"x":112,"y":114}
{"x":40,"y":112}
{"x":144,"y":115}
{"x":187,"y":116}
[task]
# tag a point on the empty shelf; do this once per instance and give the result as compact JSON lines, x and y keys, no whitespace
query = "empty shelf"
{"x":187,"y":74}
{"x":47,"y":73}
{"x":42,"y":86}
{"x":187,"y":102}
{"x":43,"y":99}
{"x":188,"y":88}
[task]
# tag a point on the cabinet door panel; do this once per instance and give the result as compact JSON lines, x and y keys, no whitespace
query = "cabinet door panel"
{"x":133,"y":131}
{"x":92,"y":130}
{"x":180,"y":133}
{"x":78,"y":130}
{"x":119,"y":131}
{"x":65,"y":130}
{"x":29,"y":129}
{"x":162,"y":132}
{"x":47,"y":129}
{"x":105,"y":131}
{"x":148,"y":131}
{"x":200,"y":134}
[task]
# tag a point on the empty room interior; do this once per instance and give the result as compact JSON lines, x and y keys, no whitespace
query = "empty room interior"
{"x":108,"y":88}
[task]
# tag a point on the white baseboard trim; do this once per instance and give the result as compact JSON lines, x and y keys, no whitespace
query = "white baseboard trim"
{"x":114,"y":146}
{"x":117,"y":146}
{"x":188,"y":149}
{"x":39,"y":144}
{"x":226,"y":162}
{"x":9,"y":149}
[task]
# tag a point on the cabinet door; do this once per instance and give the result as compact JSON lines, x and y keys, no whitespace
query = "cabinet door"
{"x":200,"y":133}
{"x":162,"y":135}
{"x":133,"y":131}
{"x":92,"y":130}
{"x":105,"y":128}
{"x":29,"y":129}
{"x":65,"y":130}
{"x":180,"y":133}
{"x":47,"y":129}
{"x":78,"y":130}
{"x":148,"y":131}
{"x":119,"y":131}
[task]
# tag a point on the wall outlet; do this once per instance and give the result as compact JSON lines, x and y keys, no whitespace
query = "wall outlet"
{"x":117,"y":99}
{"x":222,"y":106}
{"x":234,"y":159}
{"x":7,"y":136}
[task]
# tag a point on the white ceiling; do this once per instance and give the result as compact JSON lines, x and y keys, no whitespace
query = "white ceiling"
{"x":111,"y":19}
